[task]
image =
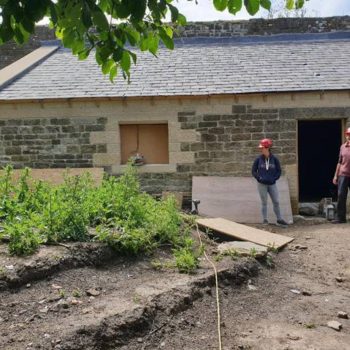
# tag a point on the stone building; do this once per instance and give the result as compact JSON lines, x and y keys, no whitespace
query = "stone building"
{"x":198,"y":110}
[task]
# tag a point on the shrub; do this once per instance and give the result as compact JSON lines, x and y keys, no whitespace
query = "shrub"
{"x":130,"y":221}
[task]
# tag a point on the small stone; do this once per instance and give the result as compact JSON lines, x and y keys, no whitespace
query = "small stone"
{"x":44,"y":310}
{"x":28,"y":285}
{"x":93,"y":292}
{"x":252,"y":287}
{"x":335,"y":325}
{"x":87,"y":310}
{"x":139,"y":340}
{"x":76,"y":302}
{"x":56,"y":286}
{"x":342,"y":314}
{"x":305,"y":292}
{"x":162,"y":344}
{"x":1,"y":320}
{"x":293,"y":337}
{"x":307,"y":237}
{"x":339,"y":279}
{"x":9,"y":267}
{"x":62,"y":304}
{"x":301,"y":247}
{"x":47,"y":336}
{"x":30,"y":345}
{"x":41,"y":301}
{"x":295,"y":291}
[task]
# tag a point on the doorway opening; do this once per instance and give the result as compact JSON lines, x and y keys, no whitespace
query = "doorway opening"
{"x":318,"y":151}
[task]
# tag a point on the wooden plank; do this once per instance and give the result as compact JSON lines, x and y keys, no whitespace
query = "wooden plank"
{"x":245,"y":233}
{"x":237,"y":199}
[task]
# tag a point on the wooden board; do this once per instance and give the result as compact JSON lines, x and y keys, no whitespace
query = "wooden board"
{"x":245,"y":233}
{"x":237,"y":199}
{"x":56,"y":176}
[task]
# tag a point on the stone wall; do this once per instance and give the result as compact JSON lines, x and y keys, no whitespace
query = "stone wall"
{"x":50,"y":143}
{"x":261,"y":26}
{"x":207,"y":136}
{"x":11,"y":52}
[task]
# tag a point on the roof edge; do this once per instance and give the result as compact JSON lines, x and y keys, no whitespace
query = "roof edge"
{"x":96,"y":99}
{"x":26,"y":63}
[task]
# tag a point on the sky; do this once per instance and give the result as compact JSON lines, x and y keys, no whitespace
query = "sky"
{"x":205,"y":11}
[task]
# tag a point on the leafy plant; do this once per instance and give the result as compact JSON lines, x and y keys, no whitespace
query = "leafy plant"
{"x":130,"y":221}
{"x":24,"y":237}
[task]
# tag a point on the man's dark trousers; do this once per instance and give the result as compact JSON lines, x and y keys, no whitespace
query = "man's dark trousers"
{"x":343,"y":186}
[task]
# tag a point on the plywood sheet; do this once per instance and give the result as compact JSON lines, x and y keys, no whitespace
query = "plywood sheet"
{"x":151,"y":140}
{"x":56,"y":176}
{"x":237,"y":199}
{"x":245,"y":233}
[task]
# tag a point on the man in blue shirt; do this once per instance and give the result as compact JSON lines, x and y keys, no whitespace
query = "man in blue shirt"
{"x":267,"y":170}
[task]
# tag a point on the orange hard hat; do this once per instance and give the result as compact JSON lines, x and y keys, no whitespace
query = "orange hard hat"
{"x":347,"y":132}
{"x":265,"y":143}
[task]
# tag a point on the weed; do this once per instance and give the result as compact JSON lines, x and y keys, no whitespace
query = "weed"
{"x":269,"y":261}
{"x":76,"y":293}
{"x":232,"y":253}
{"x":272,"y":248}
{"x":137,"y":299}
{"x":253,"y":252}
{"x":62,"y":293}
{"x":310,"y":325}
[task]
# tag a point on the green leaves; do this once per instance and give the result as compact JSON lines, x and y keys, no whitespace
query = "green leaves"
{"x":252,"y":6}
{"x":289,"y":4}
{"x":234,"y":6}
{"x":99,"y":19}
{"x":266,"y":4}
{"x":220,"y":5}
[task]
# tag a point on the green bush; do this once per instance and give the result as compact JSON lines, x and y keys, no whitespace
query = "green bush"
{"x":25,"y":238}
{"x":130,"y":221}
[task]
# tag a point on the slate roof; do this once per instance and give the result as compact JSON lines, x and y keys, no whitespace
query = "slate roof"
{"x":200,"y":66}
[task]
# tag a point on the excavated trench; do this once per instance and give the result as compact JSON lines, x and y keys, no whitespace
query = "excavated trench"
{"x":85,"y":297}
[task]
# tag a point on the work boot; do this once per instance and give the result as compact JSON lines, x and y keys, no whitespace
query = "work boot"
{"x":281,"y":223}
{"x":337,"y":221}
{"x":265,"y":222}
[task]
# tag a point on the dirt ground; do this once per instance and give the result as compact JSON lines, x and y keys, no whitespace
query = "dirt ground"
{"x":167,"y":310}
{"x":271,"y":316}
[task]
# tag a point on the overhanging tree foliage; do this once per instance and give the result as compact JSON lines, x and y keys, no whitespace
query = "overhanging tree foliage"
{"x":114,"y":29}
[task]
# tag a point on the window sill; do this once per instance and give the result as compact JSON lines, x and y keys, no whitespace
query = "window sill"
{"x":147,"y":168}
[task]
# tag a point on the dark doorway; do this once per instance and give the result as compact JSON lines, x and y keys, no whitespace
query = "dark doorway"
{"x":318,"y":150}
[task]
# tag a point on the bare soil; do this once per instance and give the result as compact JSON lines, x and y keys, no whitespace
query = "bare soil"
{"x":135,"y":307}
{"x":272,"y":317}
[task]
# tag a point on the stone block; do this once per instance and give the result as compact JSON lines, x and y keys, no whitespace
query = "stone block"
{"x":213,"y":146}
{"x":239,"y":109}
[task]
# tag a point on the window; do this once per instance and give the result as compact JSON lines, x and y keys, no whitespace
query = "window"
{"x":149,"y":140}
